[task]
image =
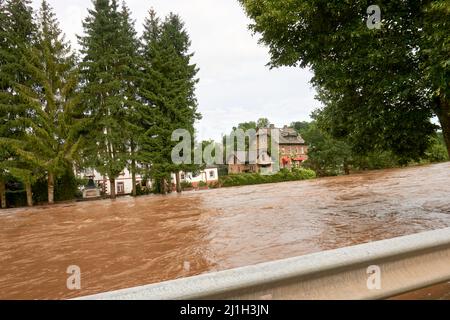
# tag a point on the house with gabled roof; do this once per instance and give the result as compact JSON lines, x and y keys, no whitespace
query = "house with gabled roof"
{"x":293,"y":151}
{"x":293,"y":148}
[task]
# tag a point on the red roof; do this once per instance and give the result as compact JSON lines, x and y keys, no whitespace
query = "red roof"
{"x":300,"y":159}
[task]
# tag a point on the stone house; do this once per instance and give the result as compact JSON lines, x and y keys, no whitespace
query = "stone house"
{"x":293,"y":151}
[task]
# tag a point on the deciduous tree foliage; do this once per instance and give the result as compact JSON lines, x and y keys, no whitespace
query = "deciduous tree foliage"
{"x":330,"y":156}
{"x":263,"y":123}
{"x":379,"y":87}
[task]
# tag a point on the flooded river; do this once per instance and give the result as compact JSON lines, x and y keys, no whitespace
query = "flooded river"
{"x":129,"y":242}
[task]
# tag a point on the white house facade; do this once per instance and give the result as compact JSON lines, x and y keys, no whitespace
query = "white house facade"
{"x":209,"y":176}
{"x":124,"y":183}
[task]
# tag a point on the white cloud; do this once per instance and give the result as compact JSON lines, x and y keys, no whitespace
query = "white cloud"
{"x":235,"y":84}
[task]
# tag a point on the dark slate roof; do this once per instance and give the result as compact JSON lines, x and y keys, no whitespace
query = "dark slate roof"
{"x":287,"y":135}
{"x":290,"y":136}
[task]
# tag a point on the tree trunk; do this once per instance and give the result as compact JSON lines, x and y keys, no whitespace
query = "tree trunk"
{"x":133,"y":176}
{"x":163,"y":186}
{"x":112,"y":188}
{"x":104,"y":185}
{"x":346,"y":167}
{"x":178,"y":182}
{"x":29,"y":194}
{"x":51,"y":188}
{"x":3,"y":194}
{"x":443,"y":113}
{"x":133,"y":167}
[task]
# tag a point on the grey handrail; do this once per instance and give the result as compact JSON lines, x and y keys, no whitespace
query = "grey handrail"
{"x":406,"y":263}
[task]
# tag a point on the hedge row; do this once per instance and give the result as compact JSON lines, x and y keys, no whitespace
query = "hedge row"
{"x":255,"y":178}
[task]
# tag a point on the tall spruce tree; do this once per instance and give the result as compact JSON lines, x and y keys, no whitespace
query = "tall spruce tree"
{"x":153,"y":146}
{"x":104,"y":65}
{"x":147,"y":110}
{"x":17,"y":31}
{"x":175,"y":35}
{"x":130,"y":83}
{"x":3,"y":153}
{"x":52,"y":137}
{"x":169,"y":92}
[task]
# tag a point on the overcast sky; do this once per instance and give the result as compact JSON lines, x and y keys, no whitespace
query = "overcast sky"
{"x":235,"y":84}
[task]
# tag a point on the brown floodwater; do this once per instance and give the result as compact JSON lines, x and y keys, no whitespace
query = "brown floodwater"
{"x":130,"y":242}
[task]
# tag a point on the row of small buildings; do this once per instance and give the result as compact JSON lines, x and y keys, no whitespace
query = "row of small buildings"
{"x":124,"y":183}
{"x":293,"y":151}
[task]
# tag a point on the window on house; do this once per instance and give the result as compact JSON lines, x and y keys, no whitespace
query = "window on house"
{"x":183,"y":176}
{"x":211,"y":174}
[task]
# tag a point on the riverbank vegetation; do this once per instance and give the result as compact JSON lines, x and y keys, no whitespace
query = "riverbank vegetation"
{"x":111,"y":106}
{"x":381,"y":88}
{"x":329,"y":156}
{"x":284,"y":175}
{"x":115,"y":103}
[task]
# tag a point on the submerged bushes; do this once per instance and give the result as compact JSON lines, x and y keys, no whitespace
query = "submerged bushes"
{"x":256,"y":178}
{"x":66,"y":188}
{"x":186,"y":185}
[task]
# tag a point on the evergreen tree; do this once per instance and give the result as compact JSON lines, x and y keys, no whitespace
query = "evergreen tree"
{"x":153,"y":147}
{"x":130,"y":83}
{"x":52,"y":135}
{"x":169,"y":92}
{"x":17,"y":30}
{"x":174,"y":34}
{"x":103,"y":68}
{"x":3,"y":153}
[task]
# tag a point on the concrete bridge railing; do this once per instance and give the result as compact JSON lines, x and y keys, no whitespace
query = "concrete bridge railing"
{"x":369,"y":271}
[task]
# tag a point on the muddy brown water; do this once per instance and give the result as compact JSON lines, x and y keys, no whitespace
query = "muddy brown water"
{"x":130,"y":242}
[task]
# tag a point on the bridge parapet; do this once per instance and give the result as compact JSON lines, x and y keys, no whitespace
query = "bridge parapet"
{"x":405,"y":264}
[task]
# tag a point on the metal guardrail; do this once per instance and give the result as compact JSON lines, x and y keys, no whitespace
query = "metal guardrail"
{"x":406,"y":263}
